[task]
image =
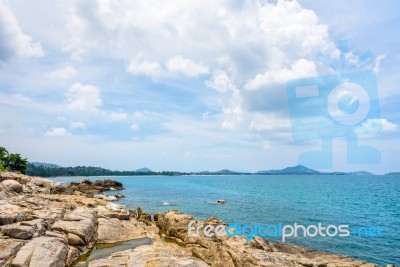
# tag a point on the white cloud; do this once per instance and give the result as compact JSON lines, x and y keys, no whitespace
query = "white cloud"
{"x":135,"y":126}
{"x":257,"y":46}
{"x":220,"y":82}
{"x":77,"y":125}
{"x":372,"y":127}
{"x":300,"y":68}
{"x":119,"y":115}
{"x":63,"y":73}
{"x":13,"y":41}
{"x":57,"y":132}
{"x":145,"y":67}
{"x":185,"y":66}
{"x":82,"y":97}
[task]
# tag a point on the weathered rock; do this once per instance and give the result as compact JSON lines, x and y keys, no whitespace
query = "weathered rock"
{"x":13,"y":185}
{"x":61,"y":188}
{"x":112,"y":230}
{"x":8,"y":248}
{"x":115,"y":214}
{"x":118,"y":259}
{"x":10,"y":213}
{"x":81,"y":222}
{"x":224,"y":251}
{"x":18,"y":231}
{"x":73,"y":255}
{"x":42,"y":252}
{"x":75,"y":240}
{"x":163,"y":255}
{"x":107,"y":184}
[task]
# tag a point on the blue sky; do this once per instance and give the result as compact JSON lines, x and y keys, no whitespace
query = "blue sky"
{"x":184,"y":85}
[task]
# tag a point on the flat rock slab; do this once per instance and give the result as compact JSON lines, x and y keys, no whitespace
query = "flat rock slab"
{"x":112,"y":230}
{"x":42,"y":252}
{"x":8,"y":248}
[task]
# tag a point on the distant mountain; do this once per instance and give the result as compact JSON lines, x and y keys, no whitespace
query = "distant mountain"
{"x":299,"y":169}
{"x":47,"y":165}
{"x":143,"y":170}
{"x":225,"y":171}
{"x":393,"y":173}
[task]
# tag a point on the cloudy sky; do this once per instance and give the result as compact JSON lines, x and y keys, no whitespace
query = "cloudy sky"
{"x":185,"y":85}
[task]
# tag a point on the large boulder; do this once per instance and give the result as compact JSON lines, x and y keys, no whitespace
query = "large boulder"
{"x":13,"y":185}
{"x":81,"y":222}
{"x":112,"y":230}
{"x":109,"y":184}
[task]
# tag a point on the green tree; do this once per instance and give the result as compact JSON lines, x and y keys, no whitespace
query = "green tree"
{"x":12,"y":162}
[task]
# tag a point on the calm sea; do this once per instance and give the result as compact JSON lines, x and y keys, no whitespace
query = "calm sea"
{"x":359,"y":201}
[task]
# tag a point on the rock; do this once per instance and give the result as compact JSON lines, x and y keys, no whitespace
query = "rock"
{"x":118,"y":259}
{"x":110,"y":198}
{"x":42,"y":183}
{"x":118,"y":196}
{"x":107,"y":184}
{"x":86,"y":181}
{"x":163,"y":254}
{"x":224,"y":251}
{"x":115,"y":207}
{"x":221,"y":201}
{"x":61,"y":236}
{"x":81,"y":222}
{"x":10,"y":213}
{"x":43,"y":251}
{"x":49,"y":216}
{"x":112,"y":230}
{"x":61,"y":188}
{"x":18,"y":231}
{"x":13,"y":185}
{"x":8,"y":248}
{"x":115,"y":214}
{"x":73,"y":255}
{"x":75,"y":240}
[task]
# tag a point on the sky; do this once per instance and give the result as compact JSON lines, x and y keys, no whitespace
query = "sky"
{"x":190,"y":85}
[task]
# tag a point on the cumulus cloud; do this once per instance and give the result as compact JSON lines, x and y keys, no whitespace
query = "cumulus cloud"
{"x":63,"y":73}
{"x":57,"y":132}
{"x":77,"y":125}
{"x":252,"y":47}
{"x":82,"y":97}
{"x":13,"y":41}
{"x":372,"y":127}
{"x":220,"y":81}
{"x":145,"y":67}
{"x":185,"y":66}
{"x":119,"y":115}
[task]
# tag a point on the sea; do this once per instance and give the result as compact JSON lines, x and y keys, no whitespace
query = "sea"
{"x":366,"y":203}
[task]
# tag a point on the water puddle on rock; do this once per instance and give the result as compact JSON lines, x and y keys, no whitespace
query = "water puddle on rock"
{"x":102,"y":251}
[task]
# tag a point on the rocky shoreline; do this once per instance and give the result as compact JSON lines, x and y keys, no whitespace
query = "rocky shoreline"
{"x":45,"y":223}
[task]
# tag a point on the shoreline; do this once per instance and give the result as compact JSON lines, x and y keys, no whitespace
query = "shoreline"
{"x":37,"y":211}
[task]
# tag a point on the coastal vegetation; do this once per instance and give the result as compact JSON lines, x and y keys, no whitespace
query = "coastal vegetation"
{"x":12,"y":162}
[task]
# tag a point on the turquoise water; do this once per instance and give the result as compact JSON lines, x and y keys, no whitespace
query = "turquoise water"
{"x":359,"y":201}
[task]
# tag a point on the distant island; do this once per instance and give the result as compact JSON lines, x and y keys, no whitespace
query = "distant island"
{"x":53,"y":170}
